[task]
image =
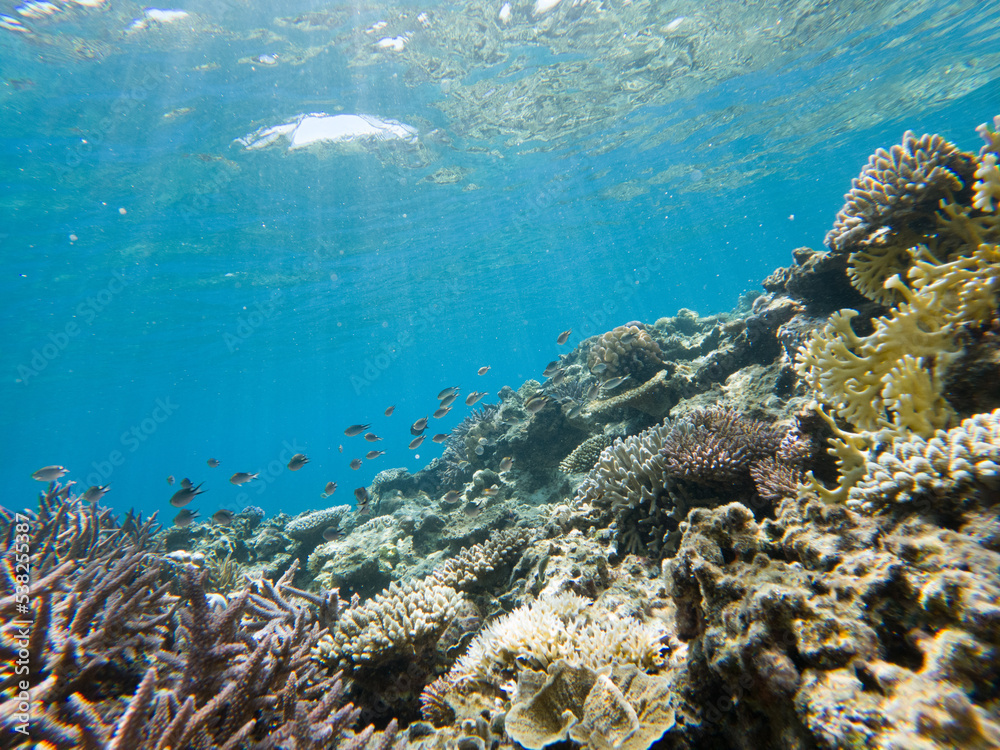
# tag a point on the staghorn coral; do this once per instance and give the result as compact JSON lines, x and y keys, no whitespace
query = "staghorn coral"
{"x":472,"y":565}
{"x":312,"y":523}
{"x":899,"y":188}
{"x":948,"y":463}
{"x":626,"y":350}
{"x":775,"y":479}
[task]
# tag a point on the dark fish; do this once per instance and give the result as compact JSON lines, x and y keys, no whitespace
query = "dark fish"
{"x":361,"y":495}
{"x":170,"y":479}
{"x":535,"y":404}
{"x":95,"y":493}
{"x":592,"y":392}
{"x":472,"y":508}
{"x":599,"y":368}
{"x":574,"y":412}
{"x":297,"y":462}
{"x":185,"y":495}
{"x":356,"y":429}
{"x":451,"y":497}
{"x":374,"y":454}
{"x":186,"y":483}
{"x":484,"y":370}
{"x":222,"y":517}
{"x":449,"y":400}
{"x":419,"y":426}
{"x":557,"y":377}
{"x":49,"y":473}
{"x":415,"y":443}
{"x":333,"y":534}
{"x":506,"y":463}
{"x":615,"y":382}
{"x":213,"y":462}
{"x":242,"y":477}
{"x":330,"y":488}
{"x":550,"y":368}
{"x":627,"y":337}
{"x":438,"y":413}
{"x":185,"y":518}
{"x":448,"y":392}
{"x":564,"y":337}
{"x":371,"y":437}
{"x":390,"y":410}
{"x":473,"y":397}
{"x":356,"y":464}
{"x":439,"y":438}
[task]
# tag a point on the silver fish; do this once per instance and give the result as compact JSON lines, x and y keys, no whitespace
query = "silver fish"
{"x":535,"y":404}
{"x":472,"y":508}
{"x":170,"y":479}
{"x":374,"y":454}
{"x":564,"y":337}
{"x":356,"y":429}
{"x":333,"y":534}
{"x":440,"y":437}
{"x":627,"y":337}
{"x":449,"y":400}
{"x":557,"y":377}
{"x":575,"y":411}
{"x":297,"y":462}
{"x":49,"y":473}
{"x":213,"y":462}
{"x":599,"y":368}
{"x":473,"y":397}
{"x":185,"y":495}
{"x":463,"y":465}
{"x":390,"y":410}
{"x":592,"y":392}
{"x":506,"y":463}
{"x":223,"y":517}
{"x":484,"y":370}
{"x":186,"y":483}
{"x":356,"y":464}
{"x":491,"y":491}
{"x":550,"y":368}
{"x":415,"y":443}
{"x":451,"y":497}
{"x":185,"y":517}
{"x":419,"y":426}
{"x":95,"y":493}
{"x":330,"y":488}
{"x":448,"y":392}
{"x":615,"y":382}
{"x":480,"y":450}
{"x":242,"y":477}
{"x":371,"y":437}
{"x":441,"y":412}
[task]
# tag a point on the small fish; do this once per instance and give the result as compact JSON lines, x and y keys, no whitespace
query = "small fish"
{"x":443,"y":411}
{"x":451,"y":497}
{"x":242,"y":477}
{"x":356,"y":429}
{"x":550,"y":368}
{"x":371,"y":437}
{"x":440,"y":437}
{"x":415,"y":443}
{"x":95,"y":493}
{"x":627,"y":337}
{"x":484,"y":370}
{"x":449,"y":400}
{"x":374,"y":454}
{"x":185,"y":517}
{"x":186,"y":483}
{"x":615,"y":382}
{"x":574,"y":412}
{"x":213,"y":462}
{"x":361,"y":495}
{"x":330,"y":488}
{"x":472,"y":508}
{"x":222,"y":517}
{"x":563,"y":337}
{"x":463,"y":465}
{"x":49,"y":473}
{"x":491,"y":491}
{"x":185,"y":495}
{"x":170,"y":479}
{"x":390,"y":410}
{"x":419,"y":426}
{"x":592,"y":392}
{"x":536,"y":403}
{"x":297,"y":462}
{"x":448,"y":392}
{"x":506,"y":463}
{"x":480,"y":450}
{"x":473,"y":397}
{"x":356,"y":464}
{"x":599,"y":368}
{"x":557,"y":377}
{"x":333,"y":534}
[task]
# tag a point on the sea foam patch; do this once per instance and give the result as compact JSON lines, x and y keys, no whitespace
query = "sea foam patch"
{"x":307,"y":130}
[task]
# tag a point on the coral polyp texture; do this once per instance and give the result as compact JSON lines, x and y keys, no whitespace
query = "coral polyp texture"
{"x":625,"y":350}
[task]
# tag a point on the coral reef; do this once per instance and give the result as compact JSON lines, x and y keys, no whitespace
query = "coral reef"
{"x":625,"y":351}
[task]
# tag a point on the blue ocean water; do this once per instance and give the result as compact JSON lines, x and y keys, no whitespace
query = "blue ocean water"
{"x":181,"y":283}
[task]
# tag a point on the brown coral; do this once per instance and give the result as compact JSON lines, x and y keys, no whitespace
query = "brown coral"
{"x":625,"y":350}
